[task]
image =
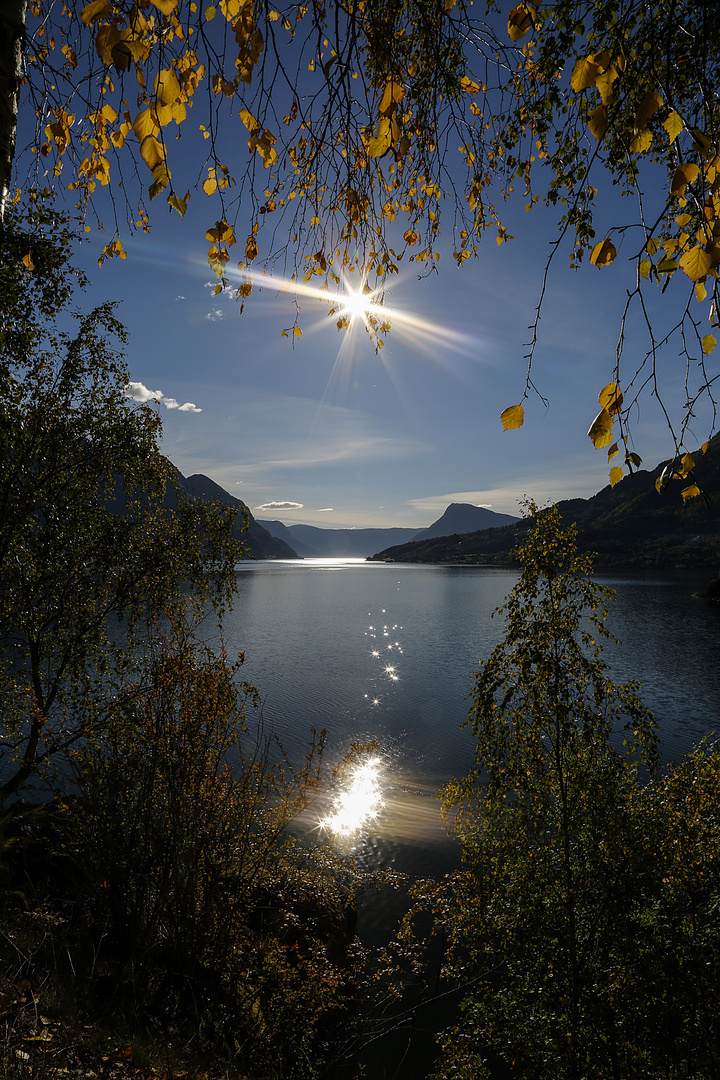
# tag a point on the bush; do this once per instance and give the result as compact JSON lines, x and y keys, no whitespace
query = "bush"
{"x":203,"y":909}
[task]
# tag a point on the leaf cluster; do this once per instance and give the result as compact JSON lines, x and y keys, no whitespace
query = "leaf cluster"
{"x":363,"y":124}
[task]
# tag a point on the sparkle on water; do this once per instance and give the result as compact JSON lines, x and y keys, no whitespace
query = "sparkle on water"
{"x":360,"y":802}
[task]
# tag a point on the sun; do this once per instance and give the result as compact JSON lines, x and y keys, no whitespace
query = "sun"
{"x":356,"y":303}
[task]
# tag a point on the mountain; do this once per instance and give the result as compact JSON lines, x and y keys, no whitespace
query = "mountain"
{"x":261,"y":543}
{"x":348,"y":543}
{"x":628,"y":525}
{"x":464,"y":518}
{"x":311,"y":541}
{"x":282,"y":532}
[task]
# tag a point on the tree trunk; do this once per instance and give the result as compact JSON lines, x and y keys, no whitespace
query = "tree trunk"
{"x":12,"y":33}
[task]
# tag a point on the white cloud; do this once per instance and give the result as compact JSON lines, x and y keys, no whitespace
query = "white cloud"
{"x":179,"y":297}
{"x":214,"y":316}
{"x":137,"y":391}
{"x":279,"y":506}
{"x":325,"y":509}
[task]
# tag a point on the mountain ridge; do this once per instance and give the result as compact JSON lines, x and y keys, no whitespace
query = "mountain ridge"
{"x":628,"y":525}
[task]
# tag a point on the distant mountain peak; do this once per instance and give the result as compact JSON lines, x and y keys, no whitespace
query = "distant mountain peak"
{"x":464,"y":518}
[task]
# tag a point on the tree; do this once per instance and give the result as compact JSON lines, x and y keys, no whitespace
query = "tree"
{"x":538,"y":920}
{"x":202,"y":911}
{"x":94,"y":536}
{"x":349,"y":114}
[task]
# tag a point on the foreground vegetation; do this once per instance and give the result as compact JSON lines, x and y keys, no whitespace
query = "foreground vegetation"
{"x":584,"y":922}
{"x":158,"y":918}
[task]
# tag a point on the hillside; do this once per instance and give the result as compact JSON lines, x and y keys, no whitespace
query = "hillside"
{"x":261,"y":543}
{"x":629,"y":525}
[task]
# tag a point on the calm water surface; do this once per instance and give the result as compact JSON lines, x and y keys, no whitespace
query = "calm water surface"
{"x":387,"y":652}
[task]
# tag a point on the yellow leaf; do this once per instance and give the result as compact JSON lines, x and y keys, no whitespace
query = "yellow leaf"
{"x":696,"y":263}
{"x":585,"y":73}
{"x":107,"y":39}
{"x":690,"y":492}
{"x":652,"y":246}
{"x":688,"y":464}
{"x":249,"y":121}
{"x":251,"y":249}
{"x":673,"y":125}
{"x":708,"y":344}
{"x":611,"y":398}
{"x":644,"y":268}
{"x":469,"y":86}
{"x":648,"y":107}
{"x":393,"y":94}
{"x":221,"y":234}
{"x":210,"y":13}
{"x":633,"y":459}
{"x":167,"y":87}
{"x":382,"y":140}
{"x":410,"y":237}
{"x":598,"y":121}
{"x":603,"y":253}
{"x":209,"y":185}
{"x":616,"y":476}
{"x":701,"y":140}
{"x":98,"y":9}
{"x":604,"y":83}
{"x":145,"y":123}
{"x":27,"y":261}
{"x":297,"y":332}
{"x":152,"y":152}
{"x":612,"y":452}
{"x":705,"y":448}
{"x":230,"y":8}
{"x":600,"y":432}
{"x":642,"y":142}
{"x":165,"y":6}
{"x":178,"y":204}
{"x":512,"y":417}
{"x":685,"y":174}
{"x":520,"y":20}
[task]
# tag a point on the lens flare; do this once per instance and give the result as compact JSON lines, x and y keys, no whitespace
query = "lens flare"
{"x":352,"y":305}
{"x":360,"y":802}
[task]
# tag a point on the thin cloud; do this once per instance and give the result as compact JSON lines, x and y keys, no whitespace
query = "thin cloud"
{"x":279,"y":506}
{"x":324,"y":509}
{"x":137,"y":391}
{"x":214,"y":316}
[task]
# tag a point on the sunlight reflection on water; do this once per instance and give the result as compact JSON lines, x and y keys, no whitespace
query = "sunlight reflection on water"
{"x":358,"y":803}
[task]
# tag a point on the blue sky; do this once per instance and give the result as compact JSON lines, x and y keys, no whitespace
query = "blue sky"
{"x":323,"y":430}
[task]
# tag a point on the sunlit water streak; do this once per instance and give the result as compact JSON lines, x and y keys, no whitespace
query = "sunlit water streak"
{"x":359,"y":803}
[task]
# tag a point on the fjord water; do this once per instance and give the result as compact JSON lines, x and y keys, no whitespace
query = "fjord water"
{"x":387,"y":652}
